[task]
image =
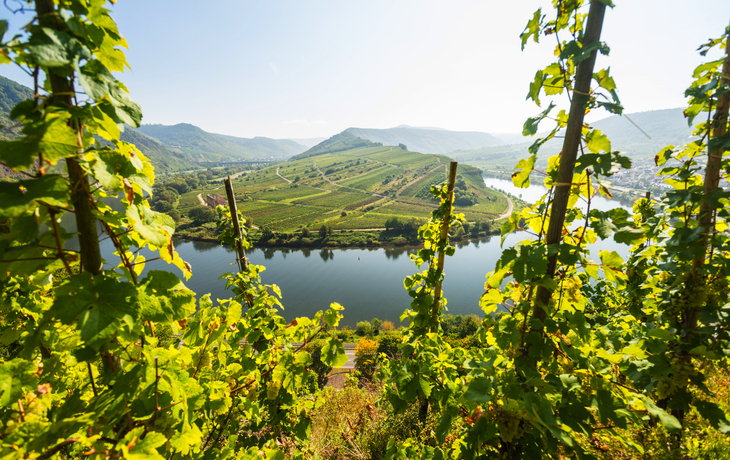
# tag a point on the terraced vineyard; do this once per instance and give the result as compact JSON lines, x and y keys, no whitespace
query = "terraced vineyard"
{"x":355,"y":188}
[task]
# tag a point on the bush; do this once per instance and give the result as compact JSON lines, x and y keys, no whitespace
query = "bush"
{"x":203,"y":214}
{"x":364,"y":329}
{"x":376,"y":323}
{"x":388,"y":343}
{"x":387,"y":326}
{"x":366,"y":357}
{"x":322,"y":370}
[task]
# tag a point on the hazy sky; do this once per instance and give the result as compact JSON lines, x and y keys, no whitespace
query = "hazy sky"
{"x":296,"y":69}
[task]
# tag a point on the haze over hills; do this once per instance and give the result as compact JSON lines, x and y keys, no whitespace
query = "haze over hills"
{"x":170,"y":148}
{"x":428,"y":140}
{"x":664,"y":127}
{"x":309,"y":142}
{"x":205,"y":146}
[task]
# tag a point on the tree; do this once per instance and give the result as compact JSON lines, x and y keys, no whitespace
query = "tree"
{"x":403,"y":146}
{"x":163,"y":206}
{"x":393,"y":224}
{"x":323,"y":231}
{"x":203,"y":214}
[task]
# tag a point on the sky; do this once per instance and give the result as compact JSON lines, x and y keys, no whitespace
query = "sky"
{"x":296,"y":69}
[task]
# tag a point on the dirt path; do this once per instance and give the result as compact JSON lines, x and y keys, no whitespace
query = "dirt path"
{"x":202,"y":201}
{"x":277,"y":173}
{"x":344,"y":186}
{"x":509,"y":209}
{"x":400,"y":190}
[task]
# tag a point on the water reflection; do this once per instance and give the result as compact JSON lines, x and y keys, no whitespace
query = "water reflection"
{"x":395,"y":253}
{"x":327,"y":254}
{"x":204,"y":246}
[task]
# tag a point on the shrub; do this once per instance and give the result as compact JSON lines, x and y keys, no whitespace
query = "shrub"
{"x":364,"y":329}
{"x":366,"y":355}
{"x":388,"y":343}
{"x":202,"y":215}
{"x":322,"y":370}
{"x":387,"y":326}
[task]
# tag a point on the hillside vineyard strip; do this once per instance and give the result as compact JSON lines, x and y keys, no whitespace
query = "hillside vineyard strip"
{"x":358,"y":188}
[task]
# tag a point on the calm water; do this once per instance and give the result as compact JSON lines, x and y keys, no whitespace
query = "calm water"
{"x":367,"y":282}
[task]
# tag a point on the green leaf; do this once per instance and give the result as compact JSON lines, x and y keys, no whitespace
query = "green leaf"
{"x":713,"y":414}
{"x":97,"y":304}
{"x":479,"y":390}
{"x":51,"y":136}
{"x":16,"y":379}
{"x":521,"y":178}
{"x":163,"y":297}
{"x":669,"y":421}
{"x":331,"y":317}
{"x":99,"y":83}
{"x":532,"y":123}
{"x":443,"y":428}
{"x":333,"y":353}
{"x":532,"y":29}
{"x":17,"y":197}
{"x":605,"y":164}
{"x":598,"y":142}
{"x":303,"y":358}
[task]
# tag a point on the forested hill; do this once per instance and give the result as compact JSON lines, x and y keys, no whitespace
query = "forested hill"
{"x":11,"y":93}
{"x":202,"y":145}
{"x":428,"y":140}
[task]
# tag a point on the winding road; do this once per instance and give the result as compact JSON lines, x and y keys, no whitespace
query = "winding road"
{"x":509,"y":209}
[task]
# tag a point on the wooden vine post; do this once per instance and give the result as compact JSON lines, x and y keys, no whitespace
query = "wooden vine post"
{"x":581,"y":96}
{"x":62,"y":91}
{"x":711,"y":183}
{"x":240,"y":251}
{"x":444,"y":234}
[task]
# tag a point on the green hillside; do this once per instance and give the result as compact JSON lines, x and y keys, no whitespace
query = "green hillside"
{"x":428,"y":140}
{"x":665,"y":127}
{"x":355,"y":188}
{"x":337,"y":143}
{"x":162,"y":159}
{"x":10,"y":94}
{"x":204,"y":146}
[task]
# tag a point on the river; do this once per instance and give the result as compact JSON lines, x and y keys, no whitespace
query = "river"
{"x":367,"y":282}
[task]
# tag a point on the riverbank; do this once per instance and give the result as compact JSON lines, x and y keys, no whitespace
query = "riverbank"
{"x":344,"y":239}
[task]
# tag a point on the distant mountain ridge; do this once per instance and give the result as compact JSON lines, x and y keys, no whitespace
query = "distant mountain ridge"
{"x":428,"y":140}
{"x":202,"y":145}
{"x":664,"y":127}
{"x":170,"y":148}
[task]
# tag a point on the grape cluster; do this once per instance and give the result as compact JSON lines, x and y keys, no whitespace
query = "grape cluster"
{"x":682,"y":370}
{"x":509,"y":428}
{"x":566,"y":364}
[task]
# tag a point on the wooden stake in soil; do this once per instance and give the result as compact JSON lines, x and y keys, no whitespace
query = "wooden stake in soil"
{"x":444,"y":234}
{"x":573,"y":134}
{"x":240,"y":252}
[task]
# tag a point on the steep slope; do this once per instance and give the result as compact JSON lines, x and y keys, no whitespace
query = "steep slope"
{"x":10,"y":94}
{"x":162,"y":159}
{"x":358,"y":188}
{"x":337,"y":143}
{"x":205,"y":146}
{"x":428,"y":140}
